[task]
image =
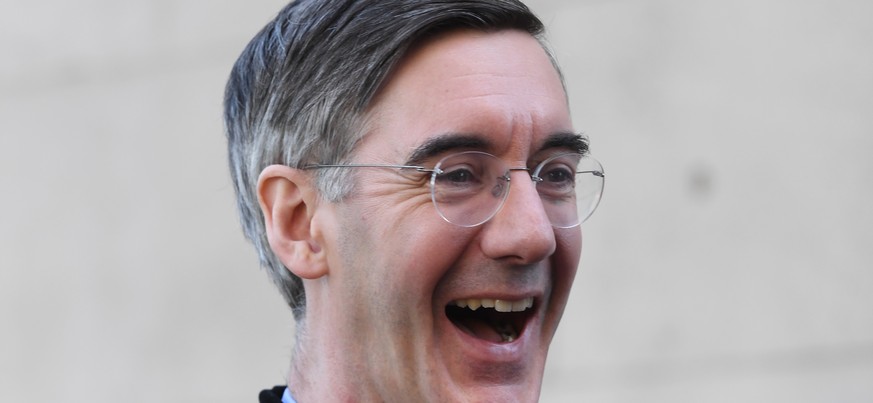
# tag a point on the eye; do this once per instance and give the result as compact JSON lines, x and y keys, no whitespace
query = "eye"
{"x":462,"y":170}
{"x":461,"y":177}
{"x":558,"y":182}
{"x":559,"y":175}
{"x":458,"y":175}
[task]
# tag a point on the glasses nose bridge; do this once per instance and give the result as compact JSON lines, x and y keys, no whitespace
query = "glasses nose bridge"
{"x":530,"y":174}
{"x":534,"y":180}
{"x":525,"y":169}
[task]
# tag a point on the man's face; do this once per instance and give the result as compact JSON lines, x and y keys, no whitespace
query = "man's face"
{"x":397,"y":270}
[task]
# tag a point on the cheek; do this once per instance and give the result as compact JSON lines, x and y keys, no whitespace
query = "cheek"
{"x":419,"y":256}
{"x":567,"y":255}
{"x":572,"y":244}
{"x":395,"y":246}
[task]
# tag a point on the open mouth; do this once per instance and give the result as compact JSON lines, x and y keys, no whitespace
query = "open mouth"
{"x":494,"y":320}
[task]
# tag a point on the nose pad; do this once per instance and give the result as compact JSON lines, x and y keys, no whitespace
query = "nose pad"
{"x":501,"y":187}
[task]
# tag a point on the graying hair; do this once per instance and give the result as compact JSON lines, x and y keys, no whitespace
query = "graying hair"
{"x":299,"y":92}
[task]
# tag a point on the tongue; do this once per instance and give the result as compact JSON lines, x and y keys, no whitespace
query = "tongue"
{"x":483,"y":330}
{"x":493,"y":331}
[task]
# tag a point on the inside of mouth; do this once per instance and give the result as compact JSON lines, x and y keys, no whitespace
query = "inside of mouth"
{"x":487,"y":323}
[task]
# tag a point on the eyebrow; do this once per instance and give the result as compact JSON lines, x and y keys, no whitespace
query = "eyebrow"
{"x":455,"y":141}
{"x":575,"y":141}
{"x":446,"y":142}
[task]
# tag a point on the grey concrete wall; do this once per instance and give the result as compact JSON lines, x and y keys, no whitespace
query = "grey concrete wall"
{"x":731,"y":259}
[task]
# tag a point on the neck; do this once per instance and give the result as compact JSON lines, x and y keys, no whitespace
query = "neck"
{"x":317,"y":373}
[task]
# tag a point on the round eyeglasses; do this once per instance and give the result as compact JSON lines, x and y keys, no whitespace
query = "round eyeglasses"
{"x":470,"y":187}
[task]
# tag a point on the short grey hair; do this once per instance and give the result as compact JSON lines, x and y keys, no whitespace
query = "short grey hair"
{"x":299,"y":92}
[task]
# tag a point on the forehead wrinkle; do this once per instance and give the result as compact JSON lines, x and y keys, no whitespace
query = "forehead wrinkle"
{"x":501,"y":131}
{"x":493,"y":84}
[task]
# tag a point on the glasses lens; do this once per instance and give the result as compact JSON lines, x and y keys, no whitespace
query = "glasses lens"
{"x":469,"y":187}
{"x":570,"y":189}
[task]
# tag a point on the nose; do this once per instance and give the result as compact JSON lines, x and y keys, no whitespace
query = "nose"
{"x":521,"y":231}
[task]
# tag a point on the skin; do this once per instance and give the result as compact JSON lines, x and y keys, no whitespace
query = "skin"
{"x":380,"y":267}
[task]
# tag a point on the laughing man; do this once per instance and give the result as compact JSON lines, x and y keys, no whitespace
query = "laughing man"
{"x":409,"y":175}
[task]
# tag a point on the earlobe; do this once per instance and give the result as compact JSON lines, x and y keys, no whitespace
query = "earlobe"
{"x":288,"y":202}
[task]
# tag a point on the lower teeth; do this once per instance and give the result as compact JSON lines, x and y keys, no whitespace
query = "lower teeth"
{"x":506,"y":332}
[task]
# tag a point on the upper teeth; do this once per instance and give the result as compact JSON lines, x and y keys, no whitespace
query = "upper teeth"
{"x":500,"y":305}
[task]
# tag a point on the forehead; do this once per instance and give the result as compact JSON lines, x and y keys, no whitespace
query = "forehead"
{"x":500,"y":87}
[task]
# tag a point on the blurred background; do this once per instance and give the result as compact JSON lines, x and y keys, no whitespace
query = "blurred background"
{"x":730,"y":261}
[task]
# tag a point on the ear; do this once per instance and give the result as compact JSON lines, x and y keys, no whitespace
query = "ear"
{"x":288,"y":201}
